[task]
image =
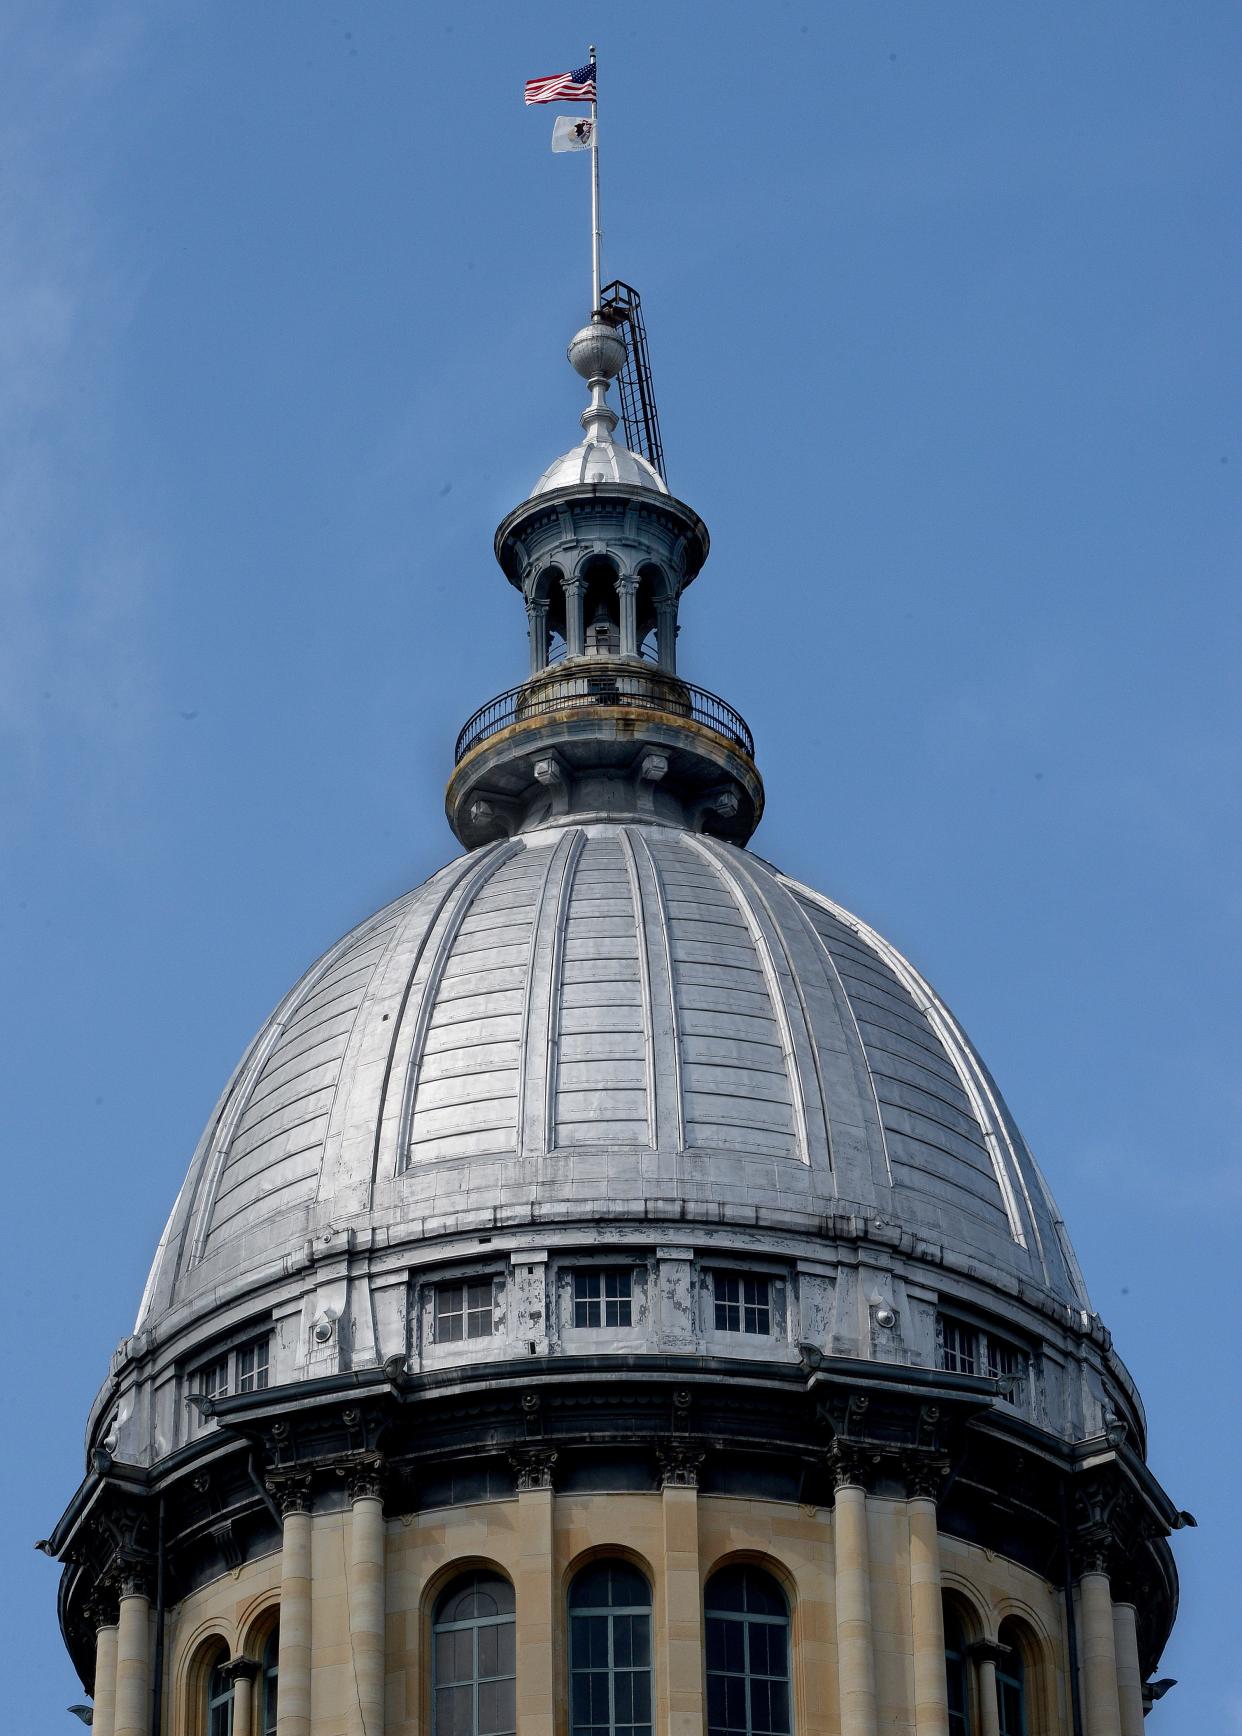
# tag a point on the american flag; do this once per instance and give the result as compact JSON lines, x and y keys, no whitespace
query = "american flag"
{"x":575,"y":86}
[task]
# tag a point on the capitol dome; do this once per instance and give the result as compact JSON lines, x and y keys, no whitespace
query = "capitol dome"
{"x":611,"y":1296}
{"x":620,"y":1022}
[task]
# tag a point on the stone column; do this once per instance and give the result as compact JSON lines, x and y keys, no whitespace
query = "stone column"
{"x":931,"y":1697}
{"x":366,"y":1602}
{"x":535,"y":1588}
{"x":293,"y":1656}
{"x":627,"y":593}
{"x":986,"y":1654}
{"x":855,"y":1652}
{"x":105,"y":1615}
{"x":242,"y":1672}
{"x":683,"y":1598}
{"x":537,"y":622}
{"x":666,"y":635}
{"x":573,"y":617}
{"x":1099,"y":1655}
{"x":132,"y":1713}
{"x":1129,"y":1670}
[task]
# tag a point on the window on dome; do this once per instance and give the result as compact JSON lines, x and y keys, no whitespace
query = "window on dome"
{"x":603,"y":1297}
{"x":244,"y":1367}
{"x":251,"y":1361}
{"x":473,"y":1658}
{"x":743,"y":1302}
{"x":465,"y":1310}
{"x":746,"y":1621}
{"x":609,"y":1651}
{"x":965,"y":1349}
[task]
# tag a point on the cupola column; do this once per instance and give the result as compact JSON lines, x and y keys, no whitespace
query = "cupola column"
{"x":1099,"y":1652}
{"x":574,"y":632}
{"x":852,"y":1559}
{"x":103,"y":1720}
{"x":366,"y":1602}
{"x":627,"y":592}
{"x":931,"y":1701}
{"x":132,"y":1716}
{"x":537,"y":617}
{"x":293,"y":1658}
{"x":683,"y":1595}
{"x":666,"y":635}
{"x":1129,"y":1670}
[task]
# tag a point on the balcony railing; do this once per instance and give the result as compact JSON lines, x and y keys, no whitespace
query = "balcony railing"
{"x":623,"y":692}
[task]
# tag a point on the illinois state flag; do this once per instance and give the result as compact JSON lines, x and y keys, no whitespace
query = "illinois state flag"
{"x":571,"y":134}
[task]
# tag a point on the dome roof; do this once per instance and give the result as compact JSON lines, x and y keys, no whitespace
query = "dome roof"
{"x":603,"y":1020}
{"x":599,"y":461}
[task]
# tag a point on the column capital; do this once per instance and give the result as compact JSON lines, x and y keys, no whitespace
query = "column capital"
{"x":534,"y":1467}
{"x":241,"y":1669}
{"x":365,"y":1478}
{"x":925,"y":1473}
{"x":291,"y":1493}
{"x":103,"y":1606}
{"x":679,"y":1463}
{"x":1093,"y":1551}
{"x":987,"y":1651}
{"x":851,"y":1464}
{"x":133,"y":1579}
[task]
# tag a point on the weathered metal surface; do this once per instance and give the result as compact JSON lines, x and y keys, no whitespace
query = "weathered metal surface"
{"x":605,"y":1013}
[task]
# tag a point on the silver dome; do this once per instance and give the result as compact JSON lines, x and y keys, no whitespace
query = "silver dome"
{"x":599,"y":461}
{"x":607,"y":1021}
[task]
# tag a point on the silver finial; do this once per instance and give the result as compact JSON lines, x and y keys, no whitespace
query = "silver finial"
{"x":597,"y":352}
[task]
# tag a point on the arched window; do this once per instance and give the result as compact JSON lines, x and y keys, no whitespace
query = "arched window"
{"x":473,"y":1670}
{"x":610,"y":1651}
{"x":220,"y":1701}
{"x":268,"y":1683}
{"x":957,"y":1671}
{"x":1011,"y":1683}
{"x":747,"y":1621}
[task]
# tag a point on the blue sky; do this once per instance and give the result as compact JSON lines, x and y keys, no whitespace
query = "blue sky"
{"x":942,"y":300}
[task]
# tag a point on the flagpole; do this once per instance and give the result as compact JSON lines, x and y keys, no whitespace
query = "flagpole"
{"x":595,"y":228}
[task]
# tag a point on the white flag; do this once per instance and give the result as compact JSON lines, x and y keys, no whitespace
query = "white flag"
{"x":571,"y":134}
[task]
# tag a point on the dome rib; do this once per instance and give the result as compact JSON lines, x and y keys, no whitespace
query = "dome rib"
{"x":537,"y":1085}
{"x":664,"y":1023}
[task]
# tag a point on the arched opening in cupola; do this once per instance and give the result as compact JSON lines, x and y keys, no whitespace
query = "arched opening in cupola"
{"x":601,"y":609}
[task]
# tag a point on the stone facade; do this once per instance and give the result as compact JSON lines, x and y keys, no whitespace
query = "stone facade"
{"x":845,"y":1679}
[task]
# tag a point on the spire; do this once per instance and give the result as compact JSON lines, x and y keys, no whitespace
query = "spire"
{"x":603,"y":725}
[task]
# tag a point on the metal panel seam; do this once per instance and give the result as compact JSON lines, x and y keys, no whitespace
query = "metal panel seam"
{"x":780,"y":1010}
{"x":474,"y":875}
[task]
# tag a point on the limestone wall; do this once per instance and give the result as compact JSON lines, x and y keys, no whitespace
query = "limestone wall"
{"x":850,"y":1676}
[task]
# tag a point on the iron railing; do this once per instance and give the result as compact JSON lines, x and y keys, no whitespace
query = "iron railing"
{"x":619,"y":692}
